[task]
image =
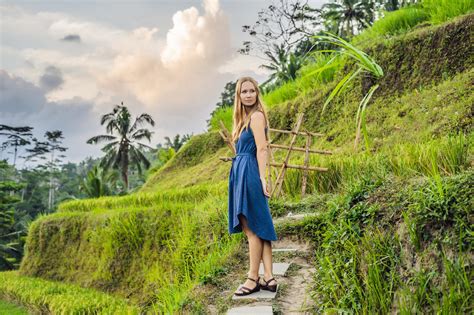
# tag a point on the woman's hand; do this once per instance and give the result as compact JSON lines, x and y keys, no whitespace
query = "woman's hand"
{"x":265,"y":187}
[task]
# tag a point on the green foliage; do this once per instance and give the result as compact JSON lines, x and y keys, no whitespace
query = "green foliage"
{"x":10,"y":238}
{"x":223,"y":114}
{"x":348,"y":16}
{"x":177,"y":142}
{"x":164,"y":155}
{"x":98,"y":182}
{"x":365,"y":252}
{"x":443,"y":10}
{"x":320,"y":70}
{"x":404,"y":203}
{"x":394,"y":23}
{"x":439,"y":206}
{"x":179,"y":197}
{"x":423,"y":289}
{"x":42,"y":296}
{"x":449,"y":155}
{"x":196,"y":149}
{"x":283,"y":64}
{"x":123,"y":148}
{"x":169,"y":241}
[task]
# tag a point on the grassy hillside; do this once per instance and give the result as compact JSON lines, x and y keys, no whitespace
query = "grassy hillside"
{"x":392,"y":224}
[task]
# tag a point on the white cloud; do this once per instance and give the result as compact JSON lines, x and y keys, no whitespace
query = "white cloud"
{"x":175,"y":75}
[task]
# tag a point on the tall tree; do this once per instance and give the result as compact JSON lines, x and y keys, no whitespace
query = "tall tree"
{"x":16,"y":137}
{"x":283,"y":23}
{"x":124,"y":148}
{"x":227,"y":96}
{"x":10,"y":245}
{"x":52,"y":146}
{"x":226,"y":99}
{"x":349,"y":16}
{"x":284,"y":65}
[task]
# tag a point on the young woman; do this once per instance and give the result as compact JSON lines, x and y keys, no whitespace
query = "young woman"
{"x":248,"y":191}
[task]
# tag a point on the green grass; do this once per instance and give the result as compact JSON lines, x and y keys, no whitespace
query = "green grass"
{"x":7,"y":308}
{"x":393,"y":23}
{"x":135,"y":246}
{"x":169,"y":198}
{"x":42,"y":296}
{"x":222,"y":114}
{"x":366,"y":259}
{"x":404,"y":198}
{"x":444,"y":10}
{"x":315,"y":79}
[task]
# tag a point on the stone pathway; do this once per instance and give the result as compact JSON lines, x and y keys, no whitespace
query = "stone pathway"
{"x":293,"y":272}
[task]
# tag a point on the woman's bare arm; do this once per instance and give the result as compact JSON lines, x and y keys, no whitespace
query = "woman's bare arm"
{"x":257,"y":124}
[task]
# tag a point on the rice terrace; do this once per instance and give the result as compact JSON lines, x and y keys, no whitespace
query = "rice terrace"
{"x":123,"y":130}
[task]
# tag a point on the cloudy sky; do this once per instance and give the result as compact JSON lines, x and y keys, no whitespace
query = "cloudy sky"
{"x":65,"y":63}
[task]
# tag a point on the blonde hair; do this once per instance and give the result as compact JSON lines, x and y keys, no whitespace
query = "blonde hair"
{"x":240,"y":121}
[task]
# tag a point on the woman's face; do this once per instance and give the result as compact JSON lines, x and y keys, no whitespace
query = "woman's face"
{"x":248,"y":93}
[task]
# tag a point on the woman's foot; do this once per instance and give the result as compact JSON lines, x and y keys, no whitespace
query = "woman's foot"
{"x":269,"y":285}
{"x":250,"y":286}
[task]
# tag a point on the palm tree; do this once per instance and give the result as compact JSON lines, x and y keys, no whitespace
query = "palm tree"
{"x":349,"y":15}
{"x":98,"y":182}
{"x":284,"y":65}
{"x":124,"y":147}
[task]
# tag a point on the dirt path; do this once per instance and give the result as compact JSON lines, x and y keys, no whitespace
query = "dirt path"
{"x":294,"y":297}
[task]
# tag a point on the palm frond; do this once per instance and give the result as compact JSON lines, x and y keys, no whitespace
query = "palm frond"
{"x":101,"y":138}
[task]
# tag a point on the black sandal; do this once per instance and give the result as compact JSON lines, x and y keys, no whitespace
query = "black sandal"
{"x":247,"y":290}
{"x":271,"y":288}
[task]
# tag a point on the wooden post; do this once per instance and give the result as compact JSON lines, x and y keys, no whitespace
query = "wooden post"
{"x":277,"y":189}
{"x":269,"y":165}
{"x":226,"y":136}
{"x":281,"y":175}
{"x":306,"y":164}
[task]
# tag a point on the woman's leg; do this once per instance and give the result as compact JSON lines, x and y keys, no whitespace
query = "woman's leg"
{"x":255,"y":252}
{"x":267,"y":262}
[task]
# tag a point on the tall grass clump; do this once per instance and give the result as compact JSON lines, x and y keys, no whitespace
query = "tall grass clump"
{"x":393,"y":245}
{"x":434,"y":158}
{"x":443,"y":10}
{"x":356,"y":272}
{"x":432,"y":292}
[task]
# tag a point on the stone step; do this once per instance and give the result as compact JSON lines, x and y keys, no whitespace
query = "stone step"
{"x":251,"y":310}
{"x":292,"y":217}
{"x":260,"y":295}
{"x":279,"y":269}
{"x":284,"y":250}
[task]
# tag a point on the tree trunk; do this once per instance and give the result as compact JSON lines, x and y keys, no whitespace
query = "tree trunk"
{"x":125,"y":169}
{"x":50,"y":196}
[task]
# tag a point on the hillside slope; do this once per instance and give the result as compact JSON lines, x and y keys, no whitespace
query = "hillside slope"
{"x":153,"y":247}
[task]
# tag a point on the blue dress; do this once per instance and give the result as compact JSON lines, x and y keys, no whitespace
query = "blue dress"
{"x":246,"y":194}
